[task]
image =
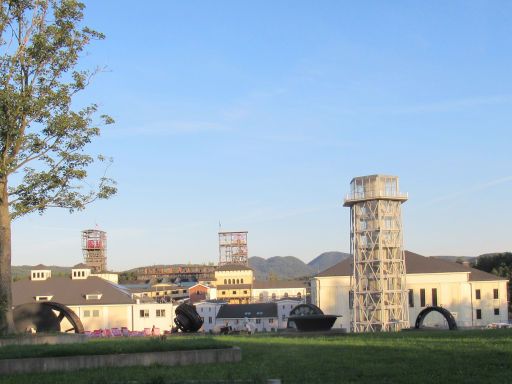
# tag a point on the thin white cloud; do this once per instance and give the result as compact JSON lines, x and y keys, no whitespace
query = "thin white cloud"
{"x":449,"y":105}
{"x":471,"y":189}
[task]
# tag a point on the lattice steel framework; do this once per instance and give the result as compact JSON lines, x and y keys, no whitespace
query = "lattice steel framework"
{"x":378,"y":281}
{"x":233,"y":248}
{"x":94,"y":249}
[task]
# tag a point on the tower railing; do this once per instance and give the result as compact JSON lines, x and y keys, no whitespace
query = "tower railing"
{"x":378,"y":194}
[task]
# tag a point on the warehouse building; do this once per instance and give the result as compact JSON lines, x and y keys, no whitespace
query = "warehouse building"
{"x":474,"y":298}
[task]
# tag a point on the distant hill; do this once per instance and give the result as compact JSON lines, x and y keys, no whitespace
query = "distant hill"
{"x":23,"y":271}
{"x":289,"y":267}
{"x":280,"y":267}
{"x":327,"y":260}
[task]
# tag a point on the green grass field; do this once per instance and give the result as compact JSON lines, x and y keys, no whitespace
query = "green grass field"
{"x":407,"y":357}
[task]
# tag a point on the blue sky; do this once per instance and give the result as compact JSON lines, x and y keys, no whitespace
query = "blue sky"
{"x":258,"y":114}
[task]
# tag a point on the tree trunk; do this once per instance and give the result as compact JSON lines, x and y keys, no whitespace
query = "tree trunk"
{"x":6,"y":320}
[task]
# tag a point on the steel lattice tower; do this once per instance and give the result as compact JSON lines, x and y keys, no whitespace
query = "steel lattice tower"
{"x":233,"y":248}
{"x":378,"y":281}
{"x":94,"y":249}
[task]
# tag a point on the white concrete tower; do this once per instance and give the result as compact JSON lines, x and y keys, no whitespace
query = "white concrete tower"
{"x":378,"y":281}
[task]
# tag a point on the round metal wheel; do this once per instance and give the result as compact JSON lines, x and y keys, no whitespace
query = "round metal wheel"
{"x":187,"y":319}
{"x":46,"y":316}
{"x":305,"y":310}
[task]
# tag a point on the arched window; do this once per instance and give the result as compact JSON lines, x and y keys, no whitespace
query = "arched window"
{"x":286,"y":294}
{"x":273,"y":296}
{"x":261,"y":296}
{"x":237,"y":281}
{"x":299,"y":295}
{"x":241,"y":281}
{"x":229,"y":281}
{"x":225,"y":281}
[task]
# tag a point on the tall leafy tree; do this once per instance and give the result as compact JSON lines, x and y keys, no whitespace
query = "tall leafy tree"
{"x":42,"y":136}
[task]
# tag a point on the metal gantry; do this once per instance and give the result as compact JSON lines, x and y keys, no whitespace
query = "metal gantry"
{"x":94,"y":249}
{"x":378,"y":283}
{"x":233,"y":248}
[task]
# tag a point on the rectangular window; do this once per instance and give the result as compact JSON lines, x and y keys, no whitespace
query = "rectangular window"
{"x":422,"y":297}
{"x":144,"y":313}
{"x":209,"y":320}
{"x":496,"y":311}
{"x":234,"y":292}
{"x":495,"y":293}
{"x":477,"y":294}
{"x":87,"y":313}
{"x":161,"y":312}
{"x":96,"y":313}
{"x":245,"y":292}
{"x":258,"y":321}
{"x":479,"y":314}
{"x":270,"y":321}
{"x":411,"y":298}
{"x":283,"y":317}
{"x":434,"y":297}
{"x":351,"y":299}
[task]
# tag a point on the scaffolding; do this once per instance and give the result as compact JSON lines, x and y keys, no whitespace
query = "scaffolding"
{"x":378,"y":282}
{"x":233,"y":248}
{"x":94,"y":249}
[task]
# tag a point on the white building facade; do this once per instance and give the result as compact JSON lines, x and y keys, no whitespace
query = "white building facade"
{"x":474,"y":298}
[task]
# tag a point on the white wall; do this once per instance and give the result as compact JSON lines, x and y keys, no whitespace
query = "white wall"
{"x":208,"y":311}
{"x":265,"y":324}
{"x":454,"y":292}
{"x":163,"y":322}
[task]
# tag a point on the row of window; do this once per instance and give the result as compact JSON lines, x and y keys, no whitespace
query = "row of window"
{"x":93,"y":313}
{"x":233,"y":292}
{"x":145,"y":313}
{"x":274,"y":296}
{"x":478,"y":296}
{"x":495,"y":294}
{"x":479,"y":313}
{"x":423,"y":297}
{"x":234,"y":281}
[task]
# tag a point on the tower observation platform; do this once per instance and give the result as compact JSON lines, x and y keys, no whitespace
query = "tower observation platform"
{"x":378,"y":280}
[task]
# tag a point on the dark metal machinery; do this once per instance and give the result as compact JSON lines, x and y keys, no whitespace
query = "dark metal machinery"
{"x":452,"y":324}
{"x":308,"y":317}
{"x":187,"y":319}
{"x":45,"y":316}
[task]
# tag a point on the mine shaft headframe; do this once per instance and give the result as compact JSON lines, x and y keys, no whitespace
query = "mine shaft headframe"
{"x":233,"y":248}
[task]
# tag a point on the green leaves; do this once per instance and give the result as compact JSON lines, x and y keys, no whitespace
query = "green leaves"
{"x":42,"y":139}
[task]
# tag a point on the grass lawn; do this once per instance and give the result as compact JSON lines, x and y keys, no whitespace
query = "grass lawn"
{"x":407,"y":357}
{"x":110,"y":346}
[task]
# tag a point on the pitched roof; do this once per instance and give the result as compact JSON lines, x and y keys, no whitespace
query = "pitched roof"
{"x":81,"y":266}
{"x":39,"y":267}
{"x":239,"y":311}
{"x":233,"y":267}
{"x":415,"y":264}
{"x":275,"y":284}
{"x":69,"y":292}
